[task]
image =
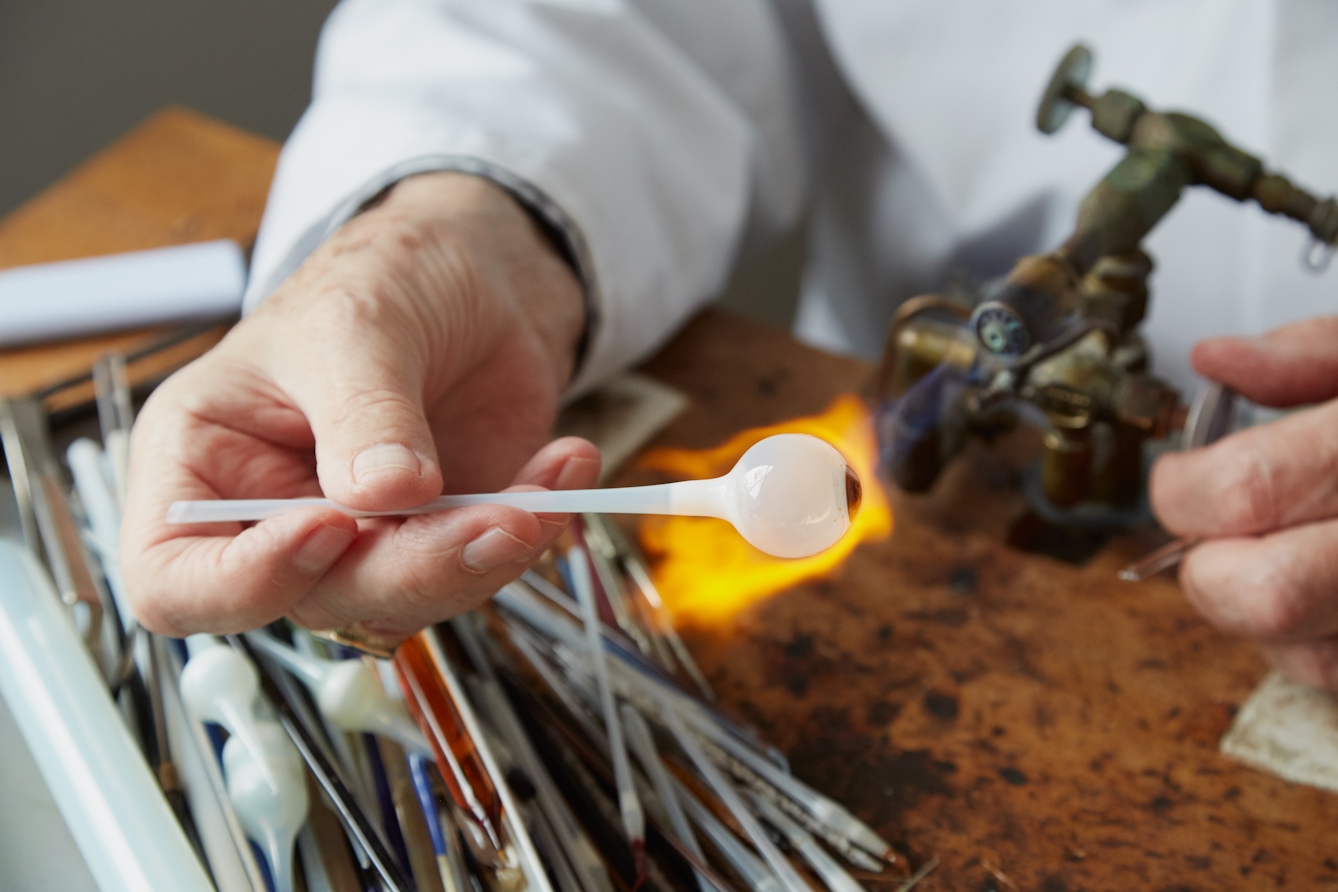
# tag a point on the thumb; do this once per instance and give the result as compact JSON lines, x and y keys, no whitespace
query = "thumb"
{"x":1289,"y":366}
{"x":374,"y":449}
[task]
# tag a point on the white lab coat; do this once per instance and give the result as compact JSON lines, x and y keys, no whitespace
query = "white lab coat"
{"x":667,"y":136}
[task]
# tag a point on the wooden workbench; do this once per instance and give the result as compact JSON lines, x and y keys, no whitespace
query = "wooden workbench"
{"x":1034,"y":724}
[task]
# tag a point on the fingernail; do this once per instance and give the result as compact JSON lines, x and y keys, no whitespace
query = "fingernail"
{"x":384,"y":457}
{"x":493,"y":549}
{"x":322,"y":548}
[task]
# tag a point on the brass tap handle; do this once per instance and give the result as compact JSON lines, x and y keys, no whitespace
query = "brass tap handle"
{"x":1167,"y":151}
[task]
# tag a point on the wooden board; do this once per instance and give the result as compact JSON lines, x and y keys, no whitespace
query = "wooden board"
{"x":990,"y":707}
{"x":179,"y":177}
{"x":1000,"y":710}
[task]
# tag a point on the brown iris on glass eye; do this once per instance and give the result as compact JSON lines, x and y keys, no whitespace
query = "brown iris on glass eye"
{"x":854,"y":492}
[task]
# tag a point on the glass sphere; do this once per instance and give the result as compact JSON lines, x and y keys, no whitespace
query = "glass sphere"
{"x":793,"y":495}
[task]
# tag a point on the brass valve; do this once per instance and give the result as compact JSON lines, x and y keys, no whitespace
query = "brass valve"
{"x":1060,"y":331}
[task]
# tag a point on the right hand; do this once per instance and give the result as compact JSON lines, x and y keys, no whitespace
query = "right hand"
{"x":1265,"y":501}
{"x":422,"y":349}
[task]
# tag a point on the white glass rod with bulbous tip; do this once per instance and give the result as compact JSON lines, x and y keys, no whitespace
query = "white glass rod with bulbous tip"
{"x":347,"y":692}
{"x":790,"y":495}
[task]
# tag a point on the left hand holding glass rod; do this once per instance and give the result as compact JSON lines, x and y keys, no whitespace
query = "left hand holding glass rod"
{"x":421,"y":349}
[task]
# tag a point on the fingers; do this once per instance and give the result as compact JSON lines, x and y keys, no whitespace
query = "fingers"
{"x":1278,"y":588}
{"x":1277,"y":480}
{"x":566,"y":463}
{"x":402,"y":575}
{"x":1291,"y":366}
{"x":316,"y":565}
{"x":1254,"y":481}
{"x":358,"y":378}
{"x":1314,"y":662}
{"x":216,"y":579}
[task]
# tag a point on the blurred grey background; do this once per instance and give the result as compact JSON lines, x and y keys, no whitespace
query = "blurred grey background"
{"x":76,"y":74}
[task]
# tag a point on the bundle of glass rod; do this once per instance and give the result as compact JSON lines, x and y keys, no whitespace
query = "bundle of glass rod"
{"x":559,"y":740}
{"x":580,"y":682}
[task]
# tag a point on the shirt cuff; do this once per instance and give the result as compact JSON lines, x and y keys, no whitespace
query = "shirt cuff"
{"x":557,"y":225}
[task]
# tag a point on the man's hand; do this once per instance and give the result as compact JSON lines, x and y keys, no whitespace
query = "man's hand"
{"x":1266,"y":499}
{"x":421,"y":350}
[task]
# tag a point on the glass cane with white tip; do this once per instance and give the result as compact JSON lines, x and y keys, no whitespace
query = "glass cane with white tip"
{"x":790,"y":495}
{"x":348,"y":693}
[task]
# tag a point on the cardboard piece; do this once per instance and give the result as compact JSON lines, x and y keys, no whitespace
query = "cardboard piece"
{"x":1288,"y":729}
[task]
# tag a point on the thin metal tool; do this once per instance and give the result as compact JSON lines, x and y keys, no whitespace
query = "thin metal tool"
{"x":914,"y":879}
{"x":835,"y":837}
{"x":16,"y":459}
{"x":1211,"y":417}
{"x":116,"y":416}
{"x":61,"y":543}
{"x":816,"y":813}
{"x":126,"y":668}
{"x":171,"y":339}
{"x":1164,"y":558}
{"x":746,"y":764}
{"x":164,"y":768}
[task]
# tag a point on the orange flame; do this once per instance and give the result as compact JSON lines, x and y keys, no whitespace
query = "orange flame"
{"x":703,"y":568}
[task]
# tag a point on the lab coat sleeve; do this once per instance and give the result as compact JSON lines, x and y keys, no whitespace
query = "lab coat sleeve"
{"x":651,"y":135}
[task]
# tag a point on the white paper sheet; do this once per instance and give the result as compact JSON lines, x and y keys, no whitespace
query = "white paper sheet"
{"x":51,"y":301}
{"x":1290,"y":730}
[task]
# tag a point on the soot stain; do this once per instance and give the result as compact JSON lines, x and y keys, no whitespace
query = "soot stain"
{"x":796,"y":683}
{"x":799,"y":647}
{"x":964,"y":580}
{"x":795,"y":666}
{"x":771,"y":384}
{"x":882,"y":711}
{"x":941,"y":705}
{"x":952,"y":617}
{"x":860,"y":771}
